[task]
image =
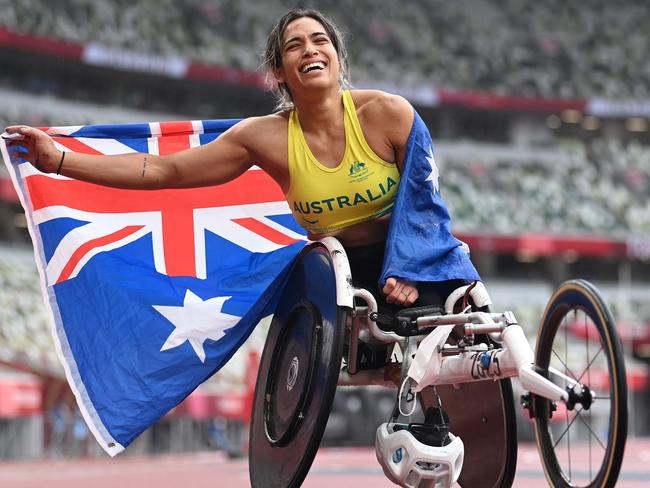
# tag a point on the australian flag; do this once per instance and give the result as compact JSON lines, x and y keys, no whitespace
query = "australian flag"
{"x":151,"y":292}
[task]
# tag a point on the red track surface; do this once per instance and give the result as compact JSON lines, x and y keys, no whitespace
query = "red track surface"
{"x":341,"y":468}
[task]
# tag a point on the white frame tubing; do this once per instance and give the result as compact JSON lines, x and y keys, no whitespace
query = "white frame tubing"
{"x":516,"y":358}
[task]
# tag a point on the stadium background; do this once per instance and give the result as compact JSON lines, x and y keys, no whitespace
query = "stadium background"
{"x":539,"y":111}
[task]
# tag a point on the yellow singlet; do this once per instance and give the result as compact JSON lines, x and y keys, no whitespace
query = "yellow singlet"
{"x":362,"y":187}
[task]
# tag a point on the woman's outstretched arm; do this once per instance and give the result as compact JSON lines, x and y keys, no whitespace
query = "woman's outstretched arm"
{"x":220,"y":161}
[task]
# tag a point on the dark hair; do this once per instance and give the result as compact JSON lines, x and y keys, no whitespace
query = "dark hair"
{"x":273,"y":51}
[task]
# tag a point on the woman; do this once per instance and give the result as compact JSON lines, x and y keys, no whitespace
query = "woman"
{"x":326,"y":148}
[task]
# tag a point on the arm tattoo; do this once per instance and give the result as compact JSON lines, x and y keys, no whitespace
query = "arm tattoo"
{"x":144,"y":166}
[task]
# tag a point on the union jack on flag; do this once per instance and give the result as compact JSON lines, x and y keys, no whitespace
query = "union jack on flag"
{"x":151,"y":292}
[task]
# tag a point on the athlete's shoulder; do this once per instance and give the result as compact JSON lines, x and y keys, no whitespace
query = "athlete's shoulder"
{"x":253,"y":130}
{"x":251,"y":125}
{"x":382,"y":105}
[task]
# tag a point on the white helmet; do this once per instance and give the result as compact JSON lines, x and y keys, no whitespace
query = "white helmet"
{"x":412,"y":464}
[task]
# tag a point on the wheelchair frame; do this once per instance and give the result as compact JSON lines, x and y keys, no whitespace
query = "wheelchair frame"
{"x":459,"y":364}
{"x":467,"y":362}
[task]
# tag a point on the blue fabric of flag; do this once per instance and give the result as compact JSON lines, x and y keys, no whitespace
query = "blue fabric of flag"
{"x":420,"y":245}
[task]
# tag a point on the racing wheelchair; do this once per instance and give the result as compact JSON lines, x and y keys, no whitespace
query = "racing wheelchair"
{"x":454,"y":417}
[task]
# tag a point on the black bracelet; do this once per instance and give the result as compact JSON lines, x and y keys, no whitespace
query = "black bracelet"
{"x":58,"y":170}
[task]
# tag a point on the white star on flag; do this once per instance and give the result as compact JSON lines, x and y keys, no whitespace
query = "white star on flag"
{"x":196,"y":321}
{"x":434,"y":175}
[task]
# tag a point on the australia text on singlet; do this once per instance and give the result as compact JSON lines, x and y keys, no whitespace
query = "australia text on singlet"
{"x":362,"y":187}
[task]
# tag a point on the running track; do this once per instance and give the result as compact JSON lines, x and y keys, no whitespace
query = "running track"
{"x":341,"y":468}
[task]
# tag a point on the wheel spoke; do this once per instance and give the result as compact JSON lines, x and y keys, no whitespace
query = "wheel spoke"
{"x":568,"y":370}
{"x":569,"y":424}
{"x":566,"y":367}
{"x":587,"y":368}
{"x":591,"y":431}
{"x":568,"y":442}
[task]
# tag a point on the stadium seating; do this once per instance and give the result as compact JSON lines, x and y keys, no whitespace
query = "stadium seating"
{"x":548,"y":49}
{"x":25,"y":337}
{"x":595,"y":188}
{"x":39,"y":110}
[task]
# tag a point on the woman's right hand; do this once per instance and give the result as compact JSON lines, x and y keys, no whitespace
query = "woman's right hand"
{"x":41,"y":151}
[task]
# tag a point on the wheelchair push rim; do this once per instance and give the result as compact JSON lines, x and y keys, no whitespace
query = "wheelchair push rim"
{"x":581,"y":445}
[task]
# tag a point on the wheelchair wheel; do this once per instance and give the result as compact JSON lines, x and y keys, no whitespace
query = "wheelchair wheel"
{"x":581,"y":446}
{"x":481,"y":412}
{"x":298,"y":374}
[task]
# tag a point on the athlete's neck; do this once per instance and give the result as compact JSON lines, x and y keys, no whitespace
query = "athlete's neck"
{"x":320,"y":113}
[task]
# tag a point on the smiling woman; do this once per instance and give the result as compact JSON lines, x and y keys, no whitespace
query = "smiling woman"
{"x":277,"y":44}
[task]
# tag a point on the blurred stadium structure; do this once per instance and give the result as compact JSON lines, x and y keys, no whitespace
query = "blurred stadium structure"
{"x":540,"y":112}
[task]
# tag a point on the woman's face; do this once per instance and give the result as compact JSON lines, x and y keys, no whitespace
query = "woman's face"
{"x":309,"y":58}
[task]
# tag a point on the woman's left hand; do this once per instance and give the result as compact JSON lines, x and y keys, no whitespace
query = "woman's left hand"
{"x":400,"y":292}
